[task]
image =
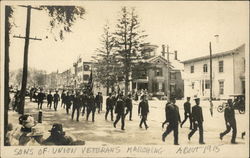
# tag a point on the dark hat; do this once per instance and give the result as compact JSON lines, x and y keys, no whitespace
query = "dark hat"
{"x":188,"y":97}
{"x":197,"y":99}
{"x":57,"y":127}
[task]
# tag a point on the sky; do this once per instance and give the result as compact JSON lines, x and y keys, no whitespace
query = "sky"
{"x":187,"y":27}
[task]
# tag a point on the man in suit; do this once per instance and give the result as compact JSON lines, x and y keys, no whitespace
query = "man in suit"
{"x":49,"y":99}
{"x":187,"y":113}
{"x":230,"y":121}
{"x":173,"y":118}
{"x":110,"y":102}
{"x":197,"y":120}
{"x":40,"y":98}
{"x":119,"y":110}
{"x":76,"y":106}
{"x":143,"y":109}
{"x":129,"y":105}
{"x":56,"y":99}
{"x":91,"y":107}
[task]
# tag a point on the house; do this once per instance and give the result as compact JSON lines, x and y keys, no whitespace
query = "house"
{"x":228,"y":74}
{"x":155,"y":79}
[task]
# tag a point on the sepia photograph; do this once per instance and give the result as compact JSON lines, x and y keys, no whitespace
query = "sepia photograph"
{"x":124,"y":79}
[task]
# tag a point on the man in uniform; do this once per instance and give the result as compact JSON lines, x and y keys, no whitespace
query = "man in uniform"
{"x":56,"y":99}
{"x":63,"y":98}
{"x":110,"y":102}
{"x":187,"y":113}
{"x":68,"y":102}
{"x":84,"y":102}
{"x":119,"y":110}
{"x":173,"y":118}
{"x":168,"y":105}
{"x":91,"y":106}
{"x":129,"y":105}
{"x":143,"y":109}
{"x":230,"y":121}
{"x":98,"y":101}
{"x":40,"y":98}
{"x":76,"y":106}
{"x":197,"y":120}
{"x":49,"y":99}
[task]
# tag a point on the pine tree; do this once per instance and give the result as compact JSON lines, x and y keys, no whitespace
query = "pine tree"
{"x":106,"y":65}
{"x":129,"y":43}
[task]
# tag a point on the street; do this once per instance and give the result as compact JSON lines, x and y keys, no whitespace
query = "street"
{"x":102,"y":132}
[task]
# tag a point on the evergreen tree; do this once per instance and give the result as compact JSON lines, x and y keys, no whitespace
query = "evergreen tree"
{"x":106,"y":64}
{"x":129,"y":43}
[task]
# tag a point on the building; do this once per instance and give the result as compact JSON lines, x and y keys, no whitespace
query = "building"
{"x":154,"y":80}
{"x":228,"y":74}
{"x":52,"y":80}
{"x":82,"y":70}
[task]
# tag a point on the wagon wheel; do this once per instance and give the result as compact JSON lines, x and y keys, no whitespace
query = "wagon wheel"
{"x":220,"y":108}
{"x":242,"y":110}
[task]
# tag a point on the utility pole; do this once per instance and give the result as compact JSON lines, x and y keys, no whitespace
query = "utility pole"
{"x":168,"y":70}
{"x":211,"y":80}
{"x":25,"y":58}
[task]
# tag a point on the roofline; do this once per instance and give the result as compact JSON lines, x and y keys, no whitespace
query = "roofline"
{"x":229,"y":52}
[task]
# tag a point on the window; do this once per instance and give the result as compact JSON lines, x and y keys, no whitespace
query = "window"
{"x":221,"y":87}
{"x":160,"y":87}
{"x":205,"y":68}
{"x":207,"y":84}
{"x":221,"y":64}
{"x":172,"y":75}
{"x":192,"y":69}
{"x":85,"y":77}
{"x":86,"y":67}
{"x":172,"y":88}
{"x":244,"y":64}
{"x":158,"y":72}
{"x":192,"y":85}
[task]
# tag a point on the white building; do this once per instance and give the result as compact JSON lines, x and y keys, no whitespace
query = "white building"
{"x":228,"y":74}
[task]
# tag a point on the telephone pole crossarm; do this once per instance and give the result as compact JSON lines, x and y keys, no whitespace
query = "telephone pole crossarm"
{"x":39,"y":39}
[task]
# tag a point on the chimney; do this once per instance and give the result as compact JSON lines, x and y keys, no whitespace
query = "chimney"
{"x":175,"y":55}
{"x":163,"y":50}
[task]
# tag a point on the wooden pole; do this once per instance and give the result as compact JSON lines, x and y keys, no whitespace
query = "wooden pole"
{"x":6,"y":71}
{"x":168,"y":75}
{"x":211,"y":80}
{"x":25,"y":62}
{"x":211,"y":83}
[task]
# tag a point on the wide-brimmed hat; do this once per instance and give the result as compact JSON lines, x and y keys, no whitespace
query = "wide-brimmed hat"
{"x":57,"y":127}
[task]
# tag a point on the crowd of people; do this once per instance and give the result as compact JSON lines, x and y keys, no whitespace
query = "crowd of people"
{"x":84,"y":102}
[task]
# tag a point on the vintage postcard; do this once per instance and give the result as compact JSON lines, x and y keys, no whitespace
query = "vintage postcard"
{"x":124,"y":79}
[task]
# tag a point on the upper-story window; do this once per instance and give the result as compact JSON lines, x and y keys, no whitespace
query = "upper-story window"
{"x":192,"y":69}
{"x":172,"y":75}
{"x":158,"y":72}
{"x":221,"y":66}
{"x":86,"y":67}
{"x":205,"y":68}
